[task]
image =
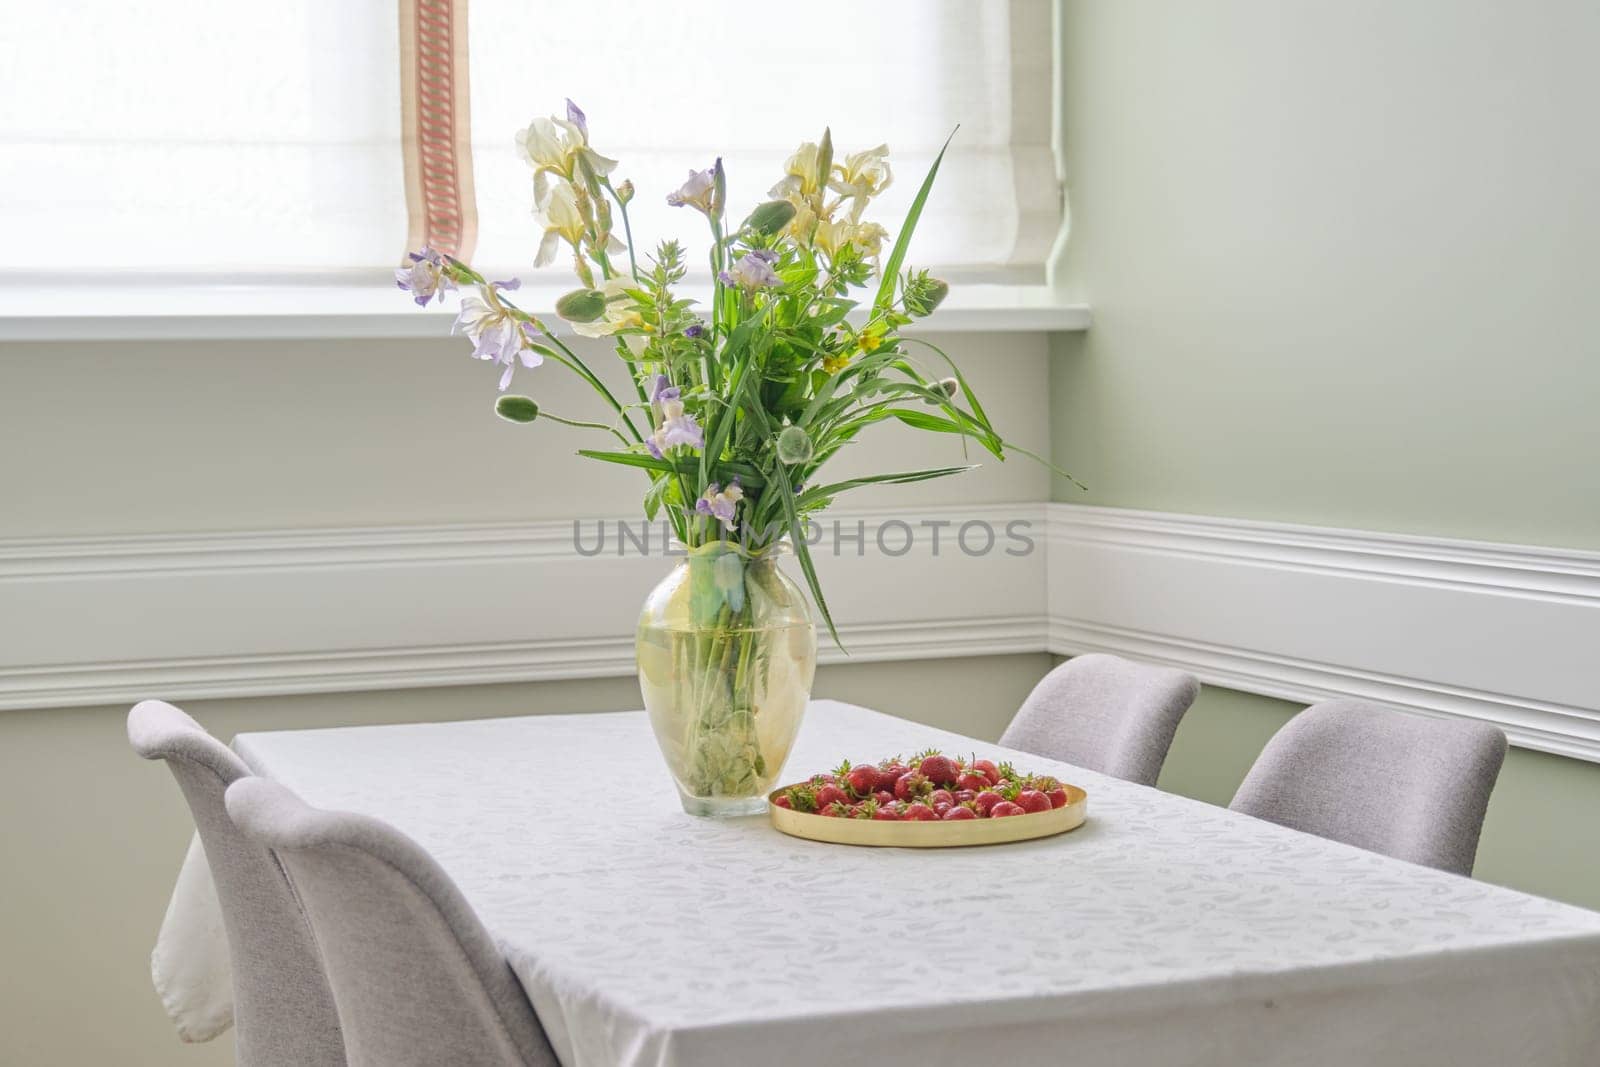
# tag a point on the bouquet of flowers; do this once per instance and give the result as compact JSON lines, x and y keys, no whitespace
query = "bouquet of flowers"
{"x":737,"y":406}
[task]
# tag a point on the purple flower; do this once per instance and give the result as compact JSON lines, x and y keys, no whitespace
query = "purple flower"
{"x":576,"y":116}
{"x":753,"y":270}
{"x":495,"y":335}
{"x":720,"y":505}
{"x":696,"y":331}
{"x":676,"y":426}
{"x":661,"y":385}
{"x":425,"y":277}
{"x":700,"y":191}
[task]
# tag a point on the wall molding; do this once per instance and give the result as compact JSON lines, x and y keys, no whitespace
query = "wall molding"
{"x":1506,"y":634}
{"x":110,"y":620}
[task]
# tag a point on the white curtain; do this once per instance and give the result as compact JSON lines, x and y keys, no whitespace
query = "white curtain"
{"x":231,"y":140}
{"x":671,"y":86}
{"x":201,"y":136}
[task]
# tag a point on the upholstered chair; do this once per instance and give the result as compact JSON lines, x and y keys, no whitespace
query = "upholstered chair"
{"x":1104,"y":713}
{"x":1408,"y":786}
{"x":417,"y":979}
{"x":283,"y":1010}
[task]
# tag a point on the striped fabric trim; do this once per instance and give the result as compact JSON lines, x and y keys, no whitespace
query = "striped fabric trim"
{"x":436,"y":126}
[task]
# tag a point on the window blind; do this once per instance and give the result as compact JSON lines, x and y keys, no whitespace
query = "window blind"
{"x":237,"y":141}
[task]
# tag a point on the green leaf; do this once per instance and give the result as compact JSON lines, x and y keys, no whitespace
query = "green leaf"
{"x":791,"y":515}
{"x":955,"y":372}
{"x":630,"y":459}
{"x":811,"y":497}
{"x":890,"y":274}
{"x":802,"y":550}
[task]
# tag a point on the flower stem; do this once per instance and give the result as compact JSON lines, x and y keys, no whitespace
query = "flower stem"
{"x":627,"y":227}
{"x":577,"y":365}
{"x":543,"y":414}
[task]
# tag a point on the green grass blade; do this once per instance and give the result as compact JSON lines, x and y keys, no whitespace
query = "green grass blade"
{"x":824,"y":492}
{"x":891,"y":268}
{"x":802,"y":551}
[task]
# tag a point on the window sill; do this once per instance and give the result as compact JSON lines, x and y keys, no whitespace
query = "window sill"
{"x":274,"y":312}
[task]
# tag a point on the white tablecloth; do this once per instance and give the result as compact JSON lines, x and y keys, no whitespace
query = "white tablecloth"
{"x":1165,"y":931}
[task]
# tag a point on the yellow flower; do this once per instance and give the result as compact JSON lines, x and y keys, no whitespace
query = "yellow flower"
{"x":830,"y":236}
{"x":554,"y":146}
{"x":561,"y":220}
{"x":869,"y":342}
{"x":803,"y":227}
{"x":835,"y":364}
{"x":862,"y":176}
{"x":806,"y":172}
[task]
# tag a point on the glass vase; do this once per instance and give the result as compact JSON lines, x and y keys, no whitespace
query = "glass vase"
{"x":727,"y":652}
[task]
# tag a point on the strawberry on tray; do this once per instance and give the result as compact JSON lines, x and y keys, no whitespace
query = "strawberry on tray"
{"x":929,"y":788}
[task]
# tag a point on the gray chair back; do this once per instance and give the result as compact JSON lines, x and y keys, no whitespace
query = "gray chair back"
{"x":1408,"y":786}
{"x":1105,"y":713}
{"x":417,"y":978}
{"x":283,"y":1010}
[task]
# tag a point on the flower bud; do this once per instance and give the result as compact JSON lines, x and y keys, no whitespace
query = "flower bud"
{"x":950,"y":386}
{"x":924,"y":293}
{"x":719,"y":188}
{"x":794,"y":445}
{"x":516,"y":408}
{"x":582,"y":305}
{"x":770,"y":217}
{"x":825,"y":158}
{"x":625,"y":191}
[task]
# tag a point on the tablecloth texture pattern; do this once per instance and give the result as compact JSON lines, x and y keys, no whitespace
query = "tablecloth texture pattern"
{"x":1163,"y":931}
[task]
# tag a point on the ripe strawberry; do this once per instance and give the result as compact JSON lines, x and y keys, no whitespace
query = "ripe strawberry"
{"x":782,"y":801}
{"x":1006,"y":808}
{"x":891,"y":769}
{"x":919,"y":813}
{"x":1058,"y":797}
{"x":941,"y":809}
{"x":883,"y":796}
{"x":973,"y":781}
{"x":940,"y":770}
{"x":829,"y":795}
{"x":863,"y":779}
{"x":1031,"y":800}
{"x":959,"y":812}
{"x":965,"y":796}
{"x":987,"y":769}
{"x":910,"y":785}
{"x":941,"y":796}
{"x":887,"y":813}
{"x":987,"y":802}
{"x":840,"y":810}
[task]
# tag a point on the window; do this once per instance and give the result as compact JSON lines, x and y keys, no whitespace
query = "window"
{"x":247,"y":141}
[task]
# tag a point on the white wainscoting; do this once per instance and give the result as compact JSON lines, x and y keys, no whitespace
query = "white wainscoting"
{"x":112,"y":620}
{"x":1503,"y":633}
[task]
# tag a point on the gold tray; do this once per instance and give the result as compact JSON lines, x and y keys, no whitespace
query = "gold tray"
{"x":931,"y":834}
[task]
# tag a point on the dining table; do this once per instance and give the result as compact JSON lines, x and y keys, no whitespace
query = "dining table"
{"x":1163,"y":931}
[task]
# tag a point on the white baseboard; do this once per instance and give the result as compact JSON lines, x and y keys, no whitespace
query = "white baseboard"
{"x":1503,"y":633}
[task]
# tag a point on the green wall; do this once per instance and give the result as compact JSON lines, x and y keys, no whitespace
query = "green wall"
{"x":1340,"y":258}
{"x":1341,"y":261}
